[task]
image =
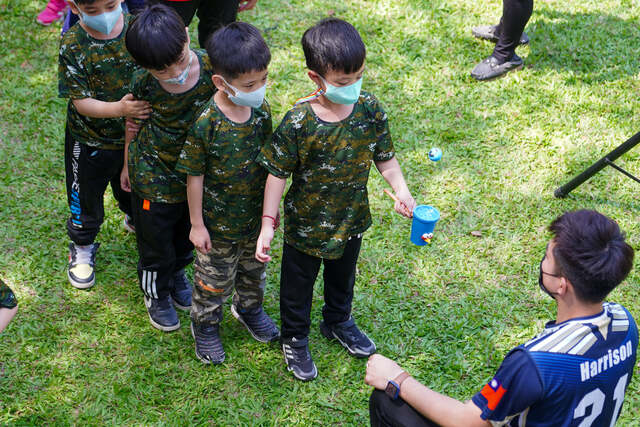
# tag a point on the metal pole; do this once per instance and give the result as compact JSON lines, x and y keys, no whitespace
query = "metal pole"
{"x":598,"y":166}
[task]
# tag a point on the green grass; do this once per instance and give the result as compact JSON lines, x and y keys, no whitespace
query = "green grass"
{"x":448,"y":312}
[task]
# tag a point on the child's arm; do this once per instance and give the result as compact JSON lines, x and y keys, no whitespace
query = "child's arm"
{"x":126,"y":107}
{"x":272,"y":194}
{"x":6,"y":314}
{"x":130,"y":131}
{"x":391,"y":172}
{"x":199,"y":234}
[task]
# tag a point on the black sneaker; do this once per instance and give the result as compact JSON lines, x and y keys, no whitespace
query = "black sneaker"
{"x":162,"y":314}
{"x":82,"y":261}
{"x":298,"y":360}
{"x":490,"y":68}
{"x":351,"y":338}
{"x":257,"y":322}
{"x":488,"y":32}
{"x":181,"y":291}
{"x":208,"y":344}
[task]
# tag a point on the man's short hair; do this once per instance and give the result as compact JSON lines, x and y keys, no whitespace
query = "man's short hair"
{"x":156,"y":38}
{"x":590,"y":252}
{"x":333,"y":44}
{"x":237,"y":48}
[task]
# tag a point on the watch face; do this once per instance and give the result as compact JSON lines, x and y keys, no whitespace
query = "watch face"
{"x":392,"y":390}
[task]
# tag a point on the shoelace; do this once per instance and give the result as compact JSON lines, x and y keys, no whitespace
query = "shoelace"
{"x":84,"y":254}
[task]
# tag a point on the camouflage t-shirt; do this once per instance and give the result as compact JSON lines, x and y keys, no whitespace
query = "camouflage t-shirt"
{"x":7,"y":299}
{"x":98,"y":69}
{"x":154,"y":152}
{"x":225,"y":152}
{"x":327,"y":202}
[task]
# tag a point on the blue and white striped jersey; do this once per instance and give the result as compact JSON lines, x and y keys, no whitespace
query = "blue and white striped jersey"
{"x":574,"y":373}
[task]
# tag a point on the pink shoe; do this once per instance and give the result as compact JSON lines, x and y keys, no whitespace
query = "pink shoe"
{"x":54,"y":11}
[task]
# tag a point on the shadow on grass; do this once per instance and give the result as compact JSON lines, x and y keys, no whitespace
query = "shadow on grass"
{"x":589,"y":47}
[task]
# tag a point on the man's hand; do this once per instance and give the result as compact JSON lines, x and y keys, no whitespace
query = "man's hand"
{"x":380,"y":370}
{"x":200,"y":238}
{"x":246,"y":5}
{"x":405,"y":204}
{"x":264,"y":242}
{"x":132,"y":108}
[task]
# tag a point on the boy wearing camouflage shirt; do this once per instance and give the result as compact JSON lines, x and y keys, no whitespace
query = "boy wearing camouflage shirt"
{"x":327,"y":141}
{"x":219,"y":157}
{"x":176,"y":81}
{"x":94,"y":71}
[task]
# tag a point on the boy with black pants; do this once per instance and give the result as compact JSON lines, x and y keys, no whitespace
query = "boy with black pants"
{"x":94,"y":72}
{"x":225,"y":187}
{"x":327,"y":141}
{"x":176,"y":81}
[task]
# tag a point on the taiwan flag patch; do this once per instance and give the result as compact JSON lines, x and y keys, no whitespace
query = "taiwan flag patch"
{"x":493,"y":392}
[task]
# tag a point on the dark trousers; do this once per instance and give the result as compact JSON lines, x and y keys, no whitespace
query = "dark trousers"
{"x":213,"y":14}
{"x":298,"y":274}
{"x":515,"y":15}
{"x":162,"y":233}
{"x":89,"y":171}
{"x":394,"y":413}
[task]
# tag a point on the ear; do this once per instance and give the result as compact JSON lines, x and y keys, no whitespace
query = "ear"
{"x":315,"y":77}
{"x":73,"y":7}
{"x":565,"y":287}
{"x":219,"y":83}
{"x":188,"y":36}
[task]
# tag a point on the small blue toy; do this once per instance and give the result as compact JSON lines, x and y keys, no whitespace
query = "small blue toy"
{"x":434,"y":154}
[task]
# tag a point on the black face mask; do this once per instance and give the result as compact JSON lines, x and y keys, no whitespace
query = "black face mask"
{"x":544,"y":289}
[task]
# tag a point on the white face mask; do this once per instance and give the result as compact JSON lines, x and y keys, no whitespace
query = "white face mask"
{"x":247,"y":99}
{"x":182,"y":78}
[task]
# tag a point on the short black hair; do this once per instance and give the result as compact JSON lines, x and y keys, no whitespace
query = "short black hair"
{"x":590,"y":252}
{"x":333,"y":44}
{"x":156,"y":37}
{"x":237,"y":48}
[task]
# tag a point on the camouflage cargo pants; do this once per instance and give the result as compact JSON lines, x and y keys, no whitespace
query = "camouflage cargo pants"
{"x":227,"y":266}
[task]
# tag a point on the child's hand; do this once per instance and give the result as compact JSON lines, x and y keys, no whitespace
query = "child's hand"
{"x":200,"y":238}
{"x":405,"y":204}
{"x":132,"y":126}
{"x":136,"y":109}
{"x":264,"y":243}
{"x":125,"y":184}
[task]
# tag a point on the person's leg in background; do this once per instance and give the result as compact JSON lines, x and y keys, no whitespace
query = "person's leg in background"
{"x":214,"y":14}
{"x":509,"y":34}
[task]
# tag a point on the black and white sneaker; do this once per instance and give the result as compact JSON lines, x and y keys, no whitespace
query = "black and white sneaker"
{"x":490,"y":32}
{"x":351,"y":338}
{"x":208,"y":344}
{"x":490,"y":68}
{"x":181,"y":291}
{"x":162,"y":315}
{"x":298,"y":360}
{"x":257,"y":322}
{"x":82,"y":261}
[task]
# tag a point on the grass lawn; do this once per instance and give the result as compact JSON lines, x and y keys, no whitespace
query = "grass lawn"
{"x":448,"y":313}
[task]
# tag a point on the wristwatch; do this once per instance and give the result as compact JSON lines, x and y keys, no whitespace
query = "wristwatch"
{"x":393,"y":386}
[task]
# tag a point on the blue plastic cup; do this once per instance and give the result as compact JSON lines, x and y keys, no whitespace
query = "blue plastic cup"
{"x":424,"y":221}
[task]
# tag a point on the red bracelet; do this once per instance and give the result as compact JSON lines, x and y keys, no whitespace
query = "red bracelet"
{"x":276,"y":220}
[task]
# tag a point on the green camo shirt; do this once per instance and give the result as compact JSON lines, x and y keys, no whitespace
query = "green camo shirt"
{"x":225,"y":152}
{"x":154,"y":152}
{"x":327,"y":202}
{"x":7,"y":299}
{"x":98,"y":69}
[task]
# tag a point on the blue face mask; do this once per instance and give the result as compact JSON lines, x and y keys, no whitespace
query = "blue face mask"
{"x":104,"y":22}
{"x":343,"y":94}
{"x":247,"y":99}
{"x":182,"y":78}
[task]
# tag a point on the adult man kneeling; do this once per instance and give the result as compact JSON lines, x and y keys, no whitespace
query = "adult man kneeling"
{"x":574,"y":372}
